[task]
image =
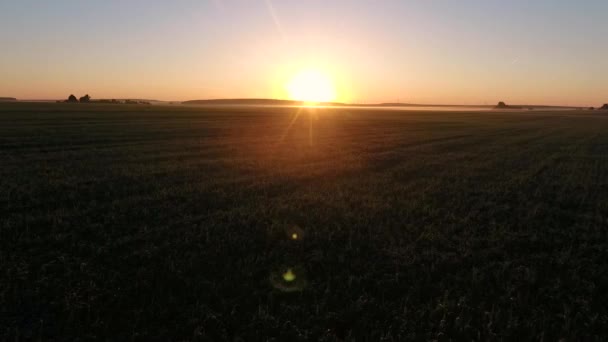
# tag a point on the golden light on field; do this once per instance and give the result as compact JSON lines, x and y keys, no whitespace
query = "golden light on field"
{"x":311,"y":86}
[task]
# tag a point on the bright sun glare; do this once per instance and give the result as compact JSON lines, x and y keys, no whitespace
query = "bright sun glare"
{"x":311,"y":86}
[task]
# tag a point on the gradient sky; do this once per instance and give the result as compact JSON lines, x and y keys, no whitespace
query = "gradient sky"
{"x":461,"y":52}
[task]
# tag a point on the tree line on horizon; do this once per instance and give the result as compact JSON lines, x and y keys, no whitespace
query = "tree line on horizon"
{"x":503,"y":105}
{"x":72,"y":99}
{"x":87,"y":99}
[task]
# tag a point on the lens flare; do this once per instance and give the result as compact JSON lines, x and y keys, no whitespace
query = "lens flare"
{"x":294,"y":233}
{"x":289,"y":279}
{"x":289,"y":276}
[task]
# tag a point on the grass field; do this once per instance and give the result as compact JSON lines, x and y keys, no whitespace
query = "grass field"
{"x":168,"y":223}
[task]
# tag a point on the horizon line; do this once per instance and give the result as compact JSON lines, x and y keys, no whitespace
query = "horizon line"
{"x":15,"y":99}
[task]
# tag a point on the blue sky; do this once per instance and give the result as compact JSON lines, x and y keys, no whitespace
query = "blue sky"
{"x":483,"y":51}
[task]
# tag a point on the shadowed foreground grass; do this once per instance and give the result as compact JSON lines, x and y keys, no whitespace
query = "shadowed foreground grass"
{"x":150,"y":222}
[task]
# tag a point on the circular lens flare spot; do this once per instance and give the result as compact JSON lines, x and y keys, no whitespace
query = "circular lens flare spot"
{"x":294,"y":233}
{"x":289,"y":276}
{"x":289,"y":279}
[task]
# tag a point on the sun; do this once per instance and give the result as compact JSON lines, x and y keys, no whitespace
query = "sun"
{"x":311,"y":86}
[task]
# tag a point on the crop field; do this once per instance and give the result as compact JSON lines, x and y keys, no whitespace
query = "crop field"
{"x":133,"y":222}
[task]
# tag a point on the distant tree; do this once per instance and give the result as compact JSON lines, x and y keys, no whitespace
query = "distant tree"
{"x":501,"y":105}
{"x":85,"y":98}
{"x":72,"y":98}
{"x":604,"y":107}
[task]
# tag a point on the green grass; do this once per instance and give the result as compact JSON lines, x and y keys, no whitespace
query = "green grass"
{"x":150,"y":222}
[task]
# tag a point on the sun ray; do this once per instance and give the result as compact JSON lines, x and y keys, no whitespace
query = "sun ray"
{"x":275,"y":19}
{"x":310,"y":129}
{"x":293,"y":121}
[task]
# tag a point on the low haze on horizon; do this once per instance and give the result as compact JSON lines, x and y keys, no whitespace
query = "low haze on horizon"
{"x":443,"y":52}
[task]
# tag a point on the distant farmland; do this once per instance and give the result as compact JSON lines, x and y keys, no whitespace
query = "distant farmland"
{"x":126,"y":222}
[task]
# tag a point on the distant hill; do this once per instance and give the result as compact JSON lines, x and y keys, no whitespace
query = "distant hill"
{"x":401,"y":104}
{"x":266,"y":102}
{"x":7,"y":99}
{"x":604,"y":107}
{"x":276,"y":102}
{"x":502,"y":105}
{"x":122,"y":100}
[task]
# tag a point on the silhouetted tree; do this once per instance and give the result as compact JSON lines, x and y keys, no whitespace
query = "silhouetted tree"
{"x":85,"y":98}
{"x":72,"y":98}
{"x":605,"y":106}
{"x":501,"y":105}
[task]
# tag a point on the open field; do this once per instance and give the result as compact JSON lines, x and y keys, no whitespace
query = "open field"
{"x":151,"y":222}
